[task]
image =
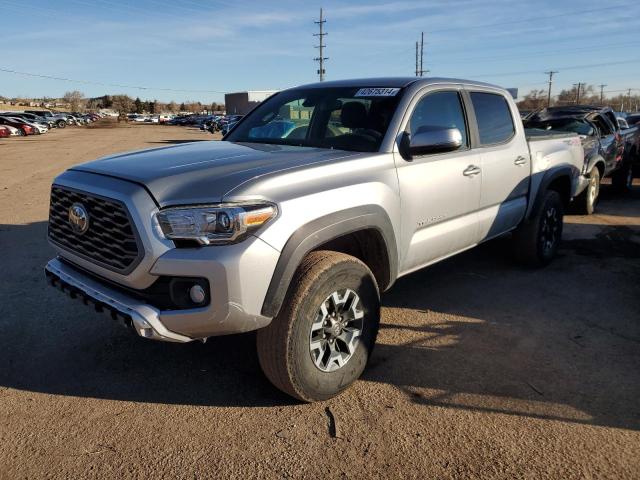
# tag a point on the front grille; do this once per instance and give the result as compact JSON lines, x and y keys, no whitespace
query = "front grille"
{"x":111,"y":239}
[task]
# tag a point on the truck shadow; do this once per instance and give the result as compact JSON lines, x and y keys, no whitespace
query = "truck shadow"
{"x":473,"y":333}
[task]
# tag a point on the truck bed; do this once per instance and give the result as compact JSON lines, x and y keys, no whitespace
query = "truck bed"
{"x":534,"y":134}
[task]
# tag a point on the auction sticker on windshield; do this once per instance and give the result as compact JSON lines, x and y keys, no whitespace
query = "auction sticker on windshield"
{"x":377,"y":92}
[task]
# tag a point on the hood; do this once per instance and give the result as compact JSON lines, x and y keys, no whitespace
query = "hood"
{"x":203,"y":172}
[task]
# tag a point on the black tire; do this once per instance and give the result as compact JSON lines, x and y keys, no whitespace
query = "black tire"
{"x":21,"y":133}
{"x":622,"y":179}
{"x":284,"y":347}
{"x":537,"y":240}
{"x":61,"y":124}
{"x":586,"y":202}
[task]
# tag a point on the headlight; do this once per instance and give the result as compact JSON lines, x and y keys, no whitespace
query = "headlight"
{"x":214,"y":224}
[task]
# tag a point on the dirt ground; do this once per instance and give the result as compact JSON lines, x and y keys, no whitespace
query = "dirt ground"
{"x":483,"y":369}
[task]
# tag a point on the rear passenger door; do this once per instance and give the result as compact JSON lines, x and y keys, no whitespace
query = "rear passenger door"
{"x":440,"y":192}
{"x":505,"y":162}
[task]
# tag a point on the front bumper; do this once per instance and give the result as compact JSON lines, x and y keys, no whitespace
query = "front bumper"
{"x":581,"y":184}
{"x":238,"y":277}
{"x":143,"y":318}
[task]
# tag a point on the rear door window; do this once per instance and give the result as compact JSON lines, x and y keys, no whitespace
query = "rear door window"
{"x":495,"y":124}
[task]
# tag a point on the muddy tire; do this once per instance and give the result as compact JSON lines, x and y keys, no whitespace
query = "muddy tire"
{"x":321,"y":340}
{"x":537,"y":240}
{"x":586,"y":202}
{"x":622,"y":179}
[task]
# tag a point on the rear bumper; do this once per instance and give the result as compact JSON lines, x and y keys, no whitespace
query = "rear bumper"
{"x":143,"y":318}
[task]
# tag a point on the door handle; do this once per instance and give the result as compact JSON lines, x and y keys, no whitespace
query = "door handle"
{"x":520,"y":160}
{"x":471,"y":170}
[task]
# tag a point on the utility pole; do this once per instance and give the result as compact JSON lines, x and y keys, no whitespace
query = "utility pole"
{"x":629,"y":97}
{"x":417,"y":63}
{"x":602,"y":85}
{"x":579,"y":85}
{"x":550,"y":73}
{"x":321,"y":46}
{"x":421,"y":53}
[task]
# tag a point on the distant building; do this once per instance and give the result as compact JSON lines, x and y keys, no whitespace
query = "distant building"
{"x":240,"y":103}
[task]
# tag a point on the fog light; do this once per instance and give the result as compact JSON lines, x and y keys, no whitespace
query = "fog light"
{"x":197,"y":294}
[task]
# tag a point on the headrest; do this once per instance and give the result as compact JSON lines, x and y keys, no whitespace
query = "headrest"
{"x":353,"y":115}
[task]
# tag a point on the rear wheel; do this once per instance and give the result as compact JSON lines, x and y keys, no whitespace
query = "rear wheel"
{"x":321,"y":339}
{"x":537,"y":240}
{"x":622,"y":179}
{"x":61,"y":124}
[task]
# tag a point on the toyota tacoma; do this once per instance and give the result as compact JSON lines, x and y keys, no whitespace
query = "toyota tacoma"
{"x":308,"y":210}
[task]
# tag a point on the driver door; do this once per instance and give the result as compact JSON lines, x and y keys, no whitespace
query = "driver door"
{"x":440,"y":193}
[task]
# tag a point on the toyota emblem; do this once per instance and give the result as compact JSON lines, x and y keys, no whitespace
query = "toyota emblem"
{"x":78,"y":218}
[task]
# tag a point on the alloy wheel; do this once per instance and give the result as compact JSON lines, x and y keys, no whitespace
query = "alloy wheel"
{"x":336,"y":330}
{"x":549,"y":229}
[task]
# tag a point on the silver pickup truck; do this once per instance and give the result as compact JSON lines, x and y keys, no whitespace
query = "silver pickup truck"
{"x":306,"y":212}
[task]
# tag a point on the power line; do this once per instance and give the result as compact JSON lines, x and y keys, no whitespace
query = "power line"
{"x":536,"y":19}
{"x":90,"y":82}
{"x":321,"y":46}
{"x":569,"y":67}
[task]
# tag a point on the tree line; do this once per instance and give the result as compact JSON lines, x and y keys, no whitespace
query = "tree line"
{"x":126,"y":104}
{"x":587,"y":95}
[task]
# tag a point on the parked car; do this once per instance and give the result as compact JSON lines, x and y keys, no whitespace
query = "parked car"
{"x":15,"y":132}
{"x":609,"y":150}
{"x":39,"y":128}
{"x":633,"y":119}
{"x":21,"y":125}
{"x":32,"y":118}
{"x":4,"y":131}
{"x":297,"y":237}
{"x":59,"y":119}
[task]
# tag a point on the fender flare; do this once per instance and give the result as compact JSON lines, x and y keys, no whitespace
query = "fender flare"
{"x":548,"y":177}
{"x":320,"y":231}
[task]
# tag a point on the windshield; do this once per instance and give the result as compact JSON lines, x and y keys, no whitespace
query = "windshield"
{"x":575,"y":125}
{"x":348,"y":118}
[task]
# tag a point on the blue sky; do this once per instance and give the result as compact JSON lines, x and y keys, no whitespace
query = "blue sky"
{"x":207,"y":47}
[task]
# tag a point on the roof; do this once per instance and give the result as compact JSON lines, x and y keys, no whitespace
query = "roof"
{"x":574,"y":111}
{"x":391,"y":82}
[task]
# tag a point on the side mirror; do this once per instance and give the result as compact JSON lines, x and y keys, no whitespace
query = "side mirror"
{"x":430,"y":139}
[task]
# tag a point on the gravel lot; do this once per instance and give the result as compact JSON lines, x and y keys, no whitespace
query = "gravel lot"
{"x":483,"y":369}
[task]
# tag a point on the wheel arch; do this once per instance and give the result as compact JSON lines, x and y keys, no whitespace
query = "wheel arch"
{"x":559,"y":180}
{"x":366,"y":232}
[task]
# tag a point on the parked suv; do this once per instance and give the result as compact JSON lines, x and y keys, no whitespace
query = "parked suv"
{"x":297,"y":232}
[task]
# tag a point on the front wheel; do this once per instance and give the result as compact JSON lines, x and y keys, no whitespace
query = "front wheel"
{"x":537,"y":240}
{"x":587,"y":200}
{"x":321,"y":340}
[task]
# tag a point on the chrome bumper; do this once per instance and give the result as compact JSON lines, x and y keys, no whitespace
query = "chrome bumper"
{"x":143,"y":318}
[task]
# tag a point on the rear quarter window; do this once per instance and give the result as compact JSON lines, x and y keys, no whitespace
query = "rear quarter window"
{"x":495,"y":124}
